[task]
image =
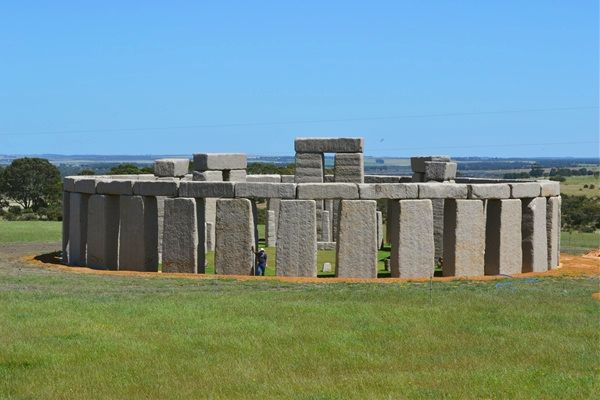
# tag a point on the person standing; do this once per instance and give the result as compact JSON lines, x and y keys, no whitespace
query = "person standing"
{"x":261,"y":262}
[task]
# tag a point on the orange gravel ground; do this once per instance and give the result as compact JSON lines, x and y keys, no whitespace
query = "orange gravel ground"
{"x":570,"y":265}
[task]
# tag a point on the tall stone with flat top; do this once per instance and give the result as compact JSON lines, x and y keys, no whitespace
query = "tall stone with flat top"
{"x":234,"y":237}
{"x":297,"y":238}
{"x":309,"y":168}
{"x":535,"y":241}
{"x":464,"y":238}
{"x":349,"y":167}
{"x":270,"y":229}
{"x":138,"y":236}
{"x":78,"y":213}
{"x":503,"y":254}
{"x":180,"y":242}
{"x":65,"y":227}
{"x":413,"y":248}
{"x":553,"y":231}
{"x":103,"y":232}
{"x":357,"y":239}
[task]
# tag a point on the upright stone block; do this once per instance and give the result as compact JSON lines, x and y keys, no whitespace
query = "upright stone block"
{"x":219,"y":161}
{"x":103,"y":232}
{"x":208,"y":176}
{"x":393,"y":212}
{"x":535,"y":241}
{"x":270,"y":229}
{"x":210,"y":239}
{"x":464,"y":238}
{"x":65,"y":227}
{"x":440,"y":171}
{"x":180,"y":243}
{"x":255,"y":221}
{"x":210,"y":216}
{"x":171,"y":167}
{"x":297,"y":238}
{"x":309,"y":168}
{"x":237,"y":175}
{"x":413,"y":249}
{"x":438,"y":227}
{"x":357,"y":239}
{"x":138,"y":236}
{"x":379,"y":230}
{"x":203,"y":239}
{"x":503,"y":254}
{"x":325,"y":226}
{"x":553,"y":231}
{"x":234,"y":237}
{"x":417,"y":164}
{"x":78,"y":210}
{"x":349,"y":167}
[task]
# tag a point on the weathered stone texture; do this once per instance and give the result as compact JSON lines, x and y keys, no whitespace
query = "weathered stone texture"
{"x":166,"y":187}
{"x":265,"y":190}
{"x":266,"y":178}
{"x":489,"y":191}
{"x":180,"y":242}
{"x":440,"y":171}
{"x":115,"y":186}
{"x":382,"y":179}
{"x":326,"y":245}
{"x":310,"y":191}
{"x":171,"y":167}
{"x":438,"y":226}
{"x":219,"y":161}
{"x":138,"y":236}
{"x":208,"y":176}
{"x":413,"y":248}
{"x":103,"y":232}
{"x":438,"y":190}
{"x":297,"y":238}
{"x":309,"y":168}
{"x":357,"y":239}
{"x":237,"y":175}
{"x":379,"y":229}
{"x":535,"y":241}
{"x":207,"y":189}
{"x":464,"y":238}
{"x":375,"y":191}
{"x":521,"y":190}
{"x":329,"y":145}
{"x":503,"y":254}
{"x":349,"y":167}
{"x":288,"y":179}
{"x":549,"y":188}
{"x":78,"y":213}
{"x":325,"y":226}
{"x":553,"y":231}
{"x":85,"y":185}
{"x":418,"y":163}
{"x":234,"y":237}
{"x":66,"y":203}
{"x":270,"y":229}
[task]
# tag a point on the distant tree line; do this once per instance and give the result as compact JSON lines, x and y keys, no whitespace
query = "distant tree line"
{"x":556,"y":174}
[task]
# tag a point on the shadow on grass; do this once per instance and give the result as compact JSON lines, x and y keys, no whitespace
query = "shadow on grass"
{"x":50,"y":258}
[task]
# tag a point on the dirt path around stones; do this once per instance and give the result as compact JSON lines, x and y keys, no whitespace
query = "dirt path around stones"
{"x":45,"y":256}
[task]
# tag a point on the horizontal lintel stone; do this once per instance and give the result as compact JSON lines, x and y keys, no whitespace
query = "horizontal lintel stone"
{"x":165,"y":167}
{"x":208,"y":176}
{"x":438,"y":190}
{"x":489,"y":191}
{"x":265,"y":190}
{"x":162,"y":187}
{"x":374,"y":191}
{"x":381,"y":179}
{"x":85,"y":185}
{"x":521,"y":190}
{"x":207,"y":189}
{"x":115,"y":186}
{"x":271,"y":178}
{"x":308,"y":191}
{"x":329,"y":145}
{"x":219,"y":161}
{"x":550,"y":188}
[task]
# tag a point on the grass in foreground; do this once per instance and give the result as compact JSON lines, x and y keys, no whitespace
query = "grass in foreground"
{"x":79,"y":337}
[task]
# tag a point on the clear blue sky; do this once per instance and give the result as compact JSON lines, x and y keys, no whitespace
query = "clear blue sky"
{"x":412,"y":77}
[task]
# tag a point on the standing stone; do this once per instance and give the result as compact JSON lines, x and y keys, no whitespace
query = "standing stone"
{"x":210,"y":240}
{"x":180,"y":243}
{"x":438,"y":226}
{"x":413,"y":249}
{"x":327,"y":267}
{"x":309,"y":167}
{"x":553,"y":231}
{"x":138,"y":236}
{"x":393,"y":214}
{"x":379,"y":229}
{"x":357,"y":239}
{"x":78,"y":210}
{"x":65,"y":227}
{"x":234,"y":237}
{"x":349,"y":167}
{"x":325,"y":226}
{"x":160,"y":207}
{"x":203,"y":228}
{"x":297,"y":238}
{"x":270,"y":231}
{"x":103,"y":232}
{"x":535,"y":241}
{"x":503,"y":254}
{"x":273,"y":205}
{"x":255,"y":220}
{"x":210,"y":215}
{"x":464,"y":238}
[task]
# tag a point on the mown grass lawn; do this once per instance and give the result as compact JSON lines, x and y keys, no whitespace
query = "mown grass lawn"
{"x":30,"y":231}
{"x":71,"y":336}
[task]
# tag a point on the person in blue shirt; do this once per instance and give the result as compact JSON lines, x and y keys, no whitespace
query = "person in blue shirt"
{"x":261,"y":262}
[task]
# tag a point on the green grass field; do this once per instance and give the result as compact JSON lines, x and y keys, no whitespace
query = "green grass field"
{"x":73,"y":336}
{"x":574,"y":185}
{"x":29,"y":231}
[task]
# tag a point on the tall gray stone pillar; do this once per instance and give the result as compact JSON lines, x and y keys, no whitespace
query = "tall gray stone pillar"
{"x":210,"y":212}
{"x":553,"y":231}
{"x":255,"y":221}
{"x":413,"y":247}
{"x":535,"y":240}
{"x":393,"y":214}
{"x":349,"y":167}
{"x":438,"y":226}
{"x":180,"y":243}
{"x":503,"y":254}
{"x":65,"y":227}
{"x":160,"y":207}
{"x":103,"y":232}
{"x":138,"y":236}
{"x":325,"y":226}
{"x":78,"y":210}
{"x":379,"y":229}
{"x":204,"y":238}
{"x":234,"y":237}
{"x":464,"y":238}
{"x":309,"y":167}
{"x":273,"y":205}
{"x":297,"y":238}
{"x":356,"y":248}
{"x":270,"y":230}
